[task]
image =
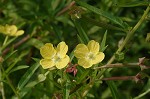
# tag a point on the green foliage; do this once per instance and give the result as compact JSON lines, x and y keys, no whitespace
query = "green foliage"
{"x":25,"y":78}
{"x":103,"y":43}
{"x":120,"y":26}
{"x":112,"y":18}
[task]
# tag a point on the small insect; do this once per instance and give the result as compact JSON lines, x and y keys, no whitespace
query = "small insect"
{"x":72,"y":68}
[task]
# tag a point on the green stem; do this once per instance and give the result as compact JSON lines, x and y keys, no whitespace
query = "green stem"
{"x":6,"y":38}
{"x":2,"y":85}
{"x":7,"y":42}
{"x":143,"y":94}
{"x":9,"y":82}
{"x":130,"y":34}
{"x":128,"y":37}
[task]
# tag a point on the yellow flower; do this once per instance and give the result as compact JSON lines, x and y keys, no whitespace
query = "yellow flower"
{"x":54,"y":56}
{"x":88,"y":55}
{"x":10,"y":30}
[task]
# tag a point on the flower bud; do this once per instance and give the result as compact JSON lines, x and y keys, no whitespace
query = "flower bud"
{"x":41,"y":77}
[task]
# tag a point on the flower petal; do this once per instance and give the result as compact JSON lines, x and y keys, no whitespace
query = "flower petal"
{"x":98,"y":58}
{"x":63,"y":62}
{"x":93,"y":46}
{"x":47,"y":51}
{"x":62,"y":49}
{"x":47,"y":63}
{"x":18,"y":33}
{"x":85,"y":63}
{"x":81,"y":51}
{"x":12,"y":30}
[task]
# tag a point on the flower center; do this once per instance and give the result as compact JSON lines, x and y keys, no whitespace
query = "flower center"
{"x":90,"y":56}
{"x":56,"y":58}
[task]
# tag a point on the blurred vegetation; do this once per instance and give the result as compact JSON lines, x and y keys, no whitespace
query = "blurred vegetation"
{"x":74,"y":22}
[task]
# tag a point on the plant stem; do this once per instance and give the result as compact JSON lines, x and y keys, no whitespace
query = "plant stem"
{"x":6,"y":38}
{"x":118,"y":65}
{"x":143,"y":94}
{"x":128,"y":37}
{"x":17,"y":44}
{"x":24,"y":39}
{"x":5,"y":44}
{"x":2,"y":86}
{"x":9,"y":82}
{"x":120,"y":78}
{"x":66,"y":8}
{"x":130,"y":34}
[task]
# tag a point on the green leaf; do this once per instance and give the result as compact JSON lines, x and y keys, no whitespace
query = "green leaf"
{"x":82,"y":77}
{"x":119,"y":56}
{"x":58,"y":32}
{"x":31,"y":84}
{"x":103,"y":24}
{"x":142,"y":94}
{"x":103,"y":43}
{"x":109,"y":16}
{"x":79,"y":38}
{"x":26,"y":77}
{"x":60,"y":6}
{"x":10,"y":54}
{"x":113,"y":87}
{"x":8,"y":42}
{"x":27,"y":88}
{"x":19,"y":68}
{"x":82,"y":34}
{"x":16,"y":60}
{"x":36,"y":43}
{"x":71,"y":55}
{"x":134,"y":4}
{"x":66,"y":90}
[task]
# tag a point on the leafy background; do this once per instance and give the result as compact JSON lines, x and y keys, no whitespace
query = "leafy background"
{"x":44,"y":21}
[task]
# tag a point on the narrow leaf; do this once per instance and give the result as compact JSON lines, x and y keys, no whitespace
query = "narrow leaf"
{"x":66,"y":90}
{"x":19,"y":68}
{"x":57,"y":32}
{"x":82,"y":33}
{"x":109,"y":16}
{"x":79,"y":38}
{"x":103,"y":43}
{"x":26,"y":77}
{"x":82,"y":77}
{"x":113,"y":87}
{"x":10,"y":54}
{"x":16,"y":60}
{"x":35,"y":42}
{"x":134,"y":4}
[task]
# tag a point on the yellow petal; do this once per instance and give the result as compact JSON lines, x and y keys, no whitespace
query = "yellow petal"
{"x":12,"y":30}
{"x":6,"y":29}
{"x":63,"y":62}
{"x":46,"y":63}
{"x":18,"y":33}
{"x":98,"y":58}
{"x":62,"y":49}
{"x":93,"y":46}
{"x":47,"y":51}
{"x":81,"y":51}
{"x":85,"y":62}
